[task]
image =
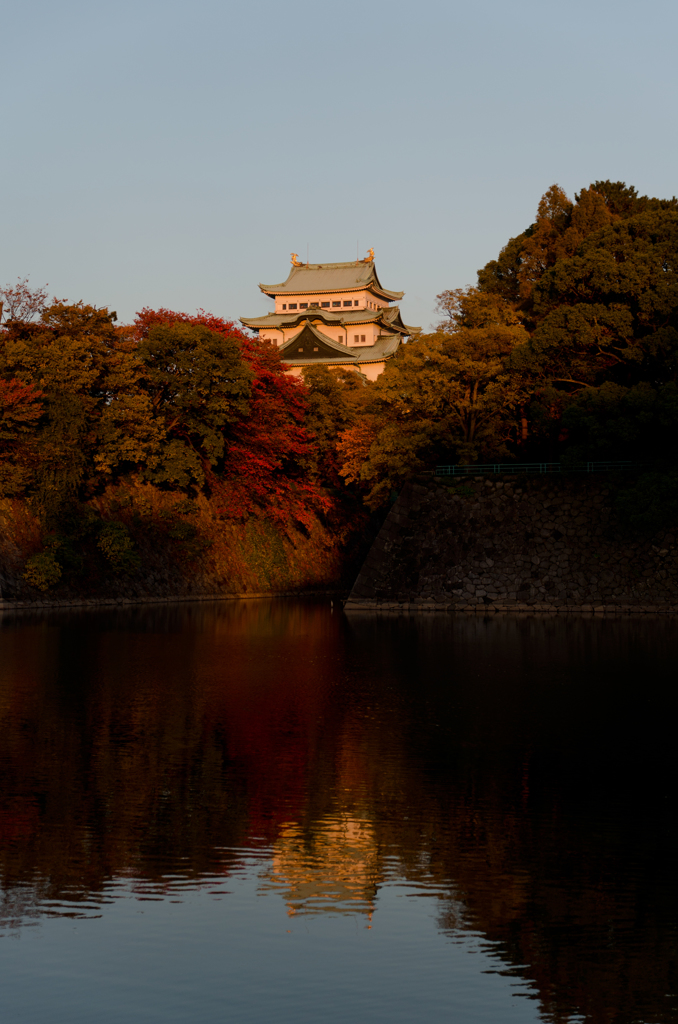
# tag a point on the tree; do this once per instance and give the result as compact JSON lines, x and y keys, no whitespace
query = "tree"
{"x":501,"y":276}
{"x":610,"y":311}
{"x":447,"y":396}
{"x":546,"y":241}
{"x":20,"y":411}
{"x":334,"y":399}
{"x":22,"y":303}
{"x":559,"y":229}
{"x":66,"y":356}
{"x":272,"y":458}
{"x":253,"y":448}
{"x":470,"y":307}
{"x":616,"y":422}
{"x":198,"y":386}
{"x":595,"y":284}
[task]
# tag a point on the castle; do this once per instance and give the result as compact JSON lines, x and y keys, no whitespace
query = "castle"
{"x":335,"y":314}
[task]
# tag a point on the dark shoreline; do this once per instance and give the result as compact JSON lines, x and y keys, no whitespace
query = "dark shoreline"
{"x":126,"y":602}
{"x":510,"y":609}
{"x":350,"y":605}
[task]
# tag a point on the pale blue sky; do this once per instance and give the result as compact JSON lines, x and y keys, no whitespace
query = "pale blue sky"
{"x":174,"y":153}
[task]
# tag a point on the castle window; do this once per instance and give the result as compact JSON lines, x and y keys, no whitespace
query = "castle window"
{"x":325,"y":305}
{"x":301,"y":350}
{"x":349,"y":303}
{"x":293,"y":305}
{"x":315,"y":349}
{"x":303,"y":305}
{"x":284,"y":305}
{"x":362,"y":337}
{"x":336,"y":303}
{"x":355,"y":302}
{"x":356,"y":339}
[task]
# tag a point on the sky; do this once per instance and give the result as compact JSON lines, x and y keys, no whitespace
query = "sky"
{"x":167,"y":153}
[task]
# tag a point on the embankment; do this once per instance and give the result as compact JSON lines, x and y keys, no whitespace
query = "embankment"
{"x":166,"y":549}
{"x":516,"y":543}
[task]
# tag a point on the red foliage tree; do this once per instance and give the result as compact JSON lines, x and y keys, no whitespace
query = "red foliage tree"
{"x":22,"y":303}
{"x":20,"y":410}
{"x":269,"y":451}
{"x":19,"y":404}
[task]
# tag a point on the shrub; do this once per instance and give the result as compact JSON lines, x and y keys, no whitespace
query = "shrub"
{"x":43,"y":570}
{"x":117,"y":547}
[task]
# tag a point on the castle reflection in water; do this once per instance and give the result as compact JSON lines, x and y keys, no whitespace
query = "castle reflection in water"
{"x":521,"y":770}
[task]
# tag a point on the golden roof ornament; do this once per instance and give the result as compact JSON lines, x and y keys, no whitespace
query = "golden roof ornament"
{"x":295,"y":260}
{"x":370,"y":256}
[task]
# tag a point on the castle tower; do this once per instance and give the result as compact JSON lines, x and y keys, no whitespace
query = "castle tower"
{"x":336,"y":314}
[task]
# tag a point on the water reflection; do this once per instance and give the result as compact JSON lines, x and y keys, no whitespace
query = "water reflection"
{"x":517,"y":773}
{"x":336,"y":868}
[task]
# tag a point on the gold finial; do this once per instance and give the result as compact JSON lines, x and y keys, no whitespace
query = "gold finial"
{"x":370,"y":256}
{"x":295,"y":260}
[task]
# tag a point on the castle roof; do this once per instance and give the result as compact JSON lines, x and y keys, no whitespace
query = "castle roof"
{"x":312,"y":346}
{"x":331,"y":277}
{"x":388,"y":316}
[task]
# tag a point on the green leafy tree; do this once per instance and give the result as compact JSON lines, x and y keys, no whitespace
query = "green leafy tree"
{"x":611,"y":310}
{"x":66,"y":356}
{"x":447,"y":396}
{"x":558,"y":230}
{"x":197,"y":386}
{"x":117,"y":547}
{"x":594,"y":282}
{"x":334,"y":399}
{"x":616,"y":422}
{"x":43,"y":570}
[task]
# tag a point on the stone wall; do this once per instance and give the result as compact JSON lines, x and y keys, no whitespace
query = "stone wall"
{"x":537,"y":543}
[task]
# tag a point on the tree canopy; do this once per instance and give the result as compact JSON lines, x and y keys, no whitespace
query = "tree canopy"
{"x":566,"y":348}
{"x":185,"y":404}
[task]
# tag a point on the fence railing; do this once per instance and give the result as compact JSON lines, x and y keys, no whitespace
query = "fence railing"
{"x":493,"y":468}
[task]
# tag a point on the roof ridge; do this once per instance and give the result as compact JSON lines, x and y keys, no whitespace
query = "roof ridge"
{"x":321,"y":278}
{"x":345,"y":263}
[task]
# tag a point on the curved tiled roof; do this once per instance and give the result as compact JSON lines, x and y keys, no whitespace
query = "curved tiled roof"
{"x":309,"y":340}
{"x":331,"y":353}
{"x":389,"y":316}
{"x":315,"y":313}
{"x":314,"y":278}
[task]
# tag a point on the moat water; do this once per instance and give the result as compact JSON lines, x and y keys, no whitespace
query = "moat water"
{"x":270,"y":812}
